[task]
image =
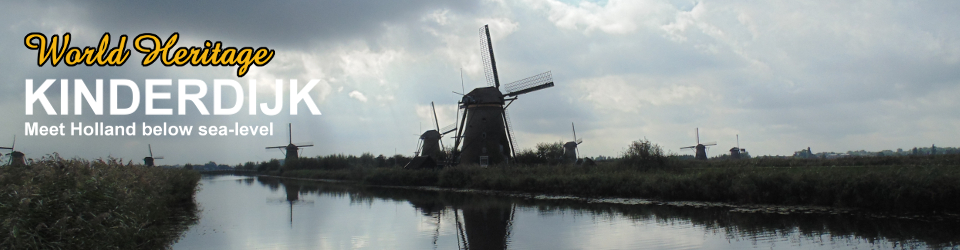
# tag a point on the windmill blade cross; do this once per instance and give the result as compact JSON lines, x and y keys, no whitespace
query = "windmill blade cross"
{"x":303,"y":144}
{"x":158,"y":158}
{"x":579,"y":141}
{"x":688,"y":147}
{"x":713,"y":143}
{"x":276,"y":147}
{"x":530,"y":84}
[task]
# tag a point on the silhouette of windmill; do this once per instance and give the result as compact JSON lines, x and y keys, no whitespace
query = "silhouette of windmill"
{"x":430,"y":141}
{"x":571,"y":151}
{"x":291,"y":151}
{"x":148,"y":161}
{"x":735,"y":152}
{"x":430,"y":152}
{"x":16,"y":157}
{"x":484,"y":130}
{"x":701,"y":149}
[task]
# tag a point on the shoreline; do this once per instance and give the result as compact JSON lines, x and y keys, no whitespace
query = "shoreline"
{"x":733,"y":207}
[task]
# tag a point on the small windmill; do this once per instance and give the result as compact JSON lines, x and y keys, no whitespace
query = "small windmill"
{"x":484,"y":130}
{"x":16,"y":157}
{"x":148,"y":161}
{"x":701,"y":149}
{"x":735,"y":152}
{"x":291,"y":151}
{"x":431,"y":143}
{"x":571,"y":151}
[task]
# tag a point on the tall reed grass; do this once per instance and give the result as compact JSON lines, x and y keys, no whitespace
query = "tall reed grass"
{"x":55,"y":203}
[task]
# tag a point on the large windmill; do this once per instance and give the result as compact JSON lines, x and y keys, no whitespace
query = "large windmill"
{"x":484,"y":130}
{"x":701,"y":149}
{"x":16,"y":157}
{"x":570,"y":149}
{"x":148,"y":161}
{"x":291,"y":151}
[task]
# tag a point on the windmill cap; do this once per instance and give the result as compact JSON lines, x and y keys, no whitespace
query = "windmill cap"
{"x":430,"y":134}
{"x":483,"y":95}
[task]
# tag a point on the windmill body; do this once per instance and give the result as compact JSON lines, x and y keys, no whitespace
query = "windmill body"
{"x":484,"y":135}
{"x":148,"y":161}
{"x":570,"y":151}
{"x":430,"y":144}
{"x":484,"y":130}
{"x":571,"y":148}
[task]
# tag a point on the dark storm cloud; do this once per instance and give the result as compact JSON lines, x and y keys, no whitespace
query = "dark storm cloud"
{"x":289,"y":24}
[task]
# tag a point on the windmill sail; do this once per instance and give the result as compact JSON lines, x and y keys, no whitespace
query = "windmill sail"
{"x":530,"y":84}
{"x":489,"y":62}
{"x":513,"y":139}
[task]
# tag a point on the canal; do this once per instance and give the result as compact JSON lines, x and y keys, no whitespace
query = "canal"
{"x":243,"y":212}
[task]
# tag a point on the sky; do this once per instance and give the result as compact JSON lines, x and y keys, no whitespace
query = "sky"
{"x":784,"y":76}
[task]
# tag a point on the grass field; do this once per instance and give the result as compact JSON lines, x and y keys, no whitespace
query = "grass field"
{"x":903,"y":184}
{"x":77,"y":204}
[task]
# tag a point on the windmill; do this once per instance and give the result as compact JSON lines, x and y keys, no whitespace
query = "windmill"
{"x":570,"y":149}
{"x":430,"y":141}
{"x":291,"y":151}
{"x":484,"y":130}
{"x":430,"y":150}
{"x":735,"y":152}
{"x":148,"y":161}
{"x":16,"y":157}
{"x":701,"y":149}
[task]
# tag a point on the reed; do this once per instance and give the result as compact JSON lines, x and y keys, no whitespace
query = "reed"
{"x":55,"y":203}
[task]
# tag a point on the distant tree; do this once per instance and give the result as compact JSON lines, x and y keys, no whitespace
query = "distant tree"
{"x":644,"y":153}
{"x":381,"y":161}
{"x":188,"y":166}
{"x":550,"y":152}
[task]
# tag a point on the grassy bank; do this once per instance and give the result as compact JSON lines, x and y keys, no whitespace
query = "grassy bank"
{"x":79,"y":204}
{"x":905,"y":184}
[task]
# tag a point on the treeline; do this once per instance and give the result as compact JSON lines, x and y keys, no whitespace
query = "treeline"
{"x":328,"y":162}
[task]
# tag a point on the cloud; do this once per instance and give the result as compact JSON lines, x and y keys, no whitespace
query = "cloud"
{"x":834,"y":76}
{"x":357,"y":95}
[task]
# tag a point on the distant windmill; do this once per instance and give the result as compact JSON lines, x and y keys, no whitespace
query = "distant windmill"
{"x":291,"y":151}
{"x":16,"y":157}
{"x":484,"y":130}
{"x":701,"y":149}
{"x":148,"y":161}
{"x":735,"y":152}
{"x":430,"y":141}
{"x":571,"y":151}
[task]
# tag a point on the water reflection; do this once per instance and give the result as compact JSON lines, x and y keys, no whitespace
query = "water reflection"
{"x":341,"y":216}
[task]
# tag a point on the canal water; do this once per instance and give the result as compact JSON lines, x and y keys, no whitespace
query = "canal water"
{"x":241,"y":212}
